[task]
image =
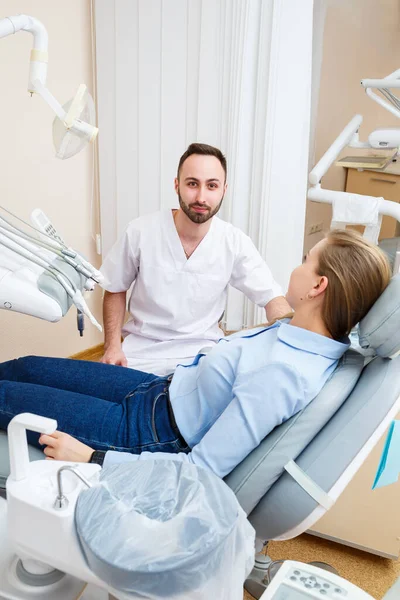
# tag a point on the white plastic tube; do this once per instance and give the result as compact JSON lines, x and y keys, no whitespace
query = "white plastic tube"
{"x":39,"y":56}
{"x":6,"y":27}
{"x":383,"y":102}
{"x":333,"y":152}
{"x":386,"y":207}
{"x":387,"y":82}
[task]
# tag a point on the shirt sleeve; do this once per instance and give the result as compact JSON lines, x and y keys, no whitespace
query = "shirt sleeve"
{"x":120,"y":266}
{"x":261,"y":401}
{"x":251,"y":274}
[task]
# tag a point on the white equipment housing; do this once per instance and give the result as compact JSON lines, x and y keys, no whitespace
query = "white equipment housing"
{"x":39,"y":275}
{"x":384,"y":138}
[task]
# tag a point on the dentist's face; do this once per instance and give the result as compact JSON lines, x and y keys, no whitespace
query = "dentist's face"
{"x":304,"y":281}
{"x":201,"y":187}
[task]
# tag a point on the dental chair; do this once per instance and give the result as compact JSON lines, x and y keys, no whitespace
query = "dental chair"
{"x":297,"y":473}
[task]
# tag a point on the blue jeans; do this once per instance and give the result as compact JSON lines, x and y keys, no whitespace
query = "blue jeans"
{"x":106,"y":407}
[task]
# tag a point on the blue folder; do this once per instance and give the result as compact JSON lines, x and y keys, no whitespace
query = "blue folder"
{"x":389,"y":464}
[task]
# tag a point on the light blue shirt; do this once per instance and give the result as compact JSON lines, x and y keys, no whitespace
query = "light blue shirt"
{"x":228,"y":400}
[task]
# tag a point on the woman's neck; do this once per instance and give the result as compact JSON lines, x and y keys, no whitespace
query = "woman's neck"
{"x":310,"y":320}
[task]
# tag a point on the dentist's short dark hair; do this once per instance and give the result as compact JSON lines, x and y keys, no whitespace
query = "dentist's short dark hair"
{"x":205,"y":150}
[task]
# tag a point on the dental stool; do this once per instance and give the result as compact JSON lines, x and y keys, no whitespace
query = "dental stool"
{"x":297,"y":473}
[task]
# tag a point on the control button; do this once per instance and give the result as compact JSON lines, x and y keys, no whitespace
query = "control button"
{"x":303,"y":579}
{"x":317,"y":585}
{"x":338,"y":590}
{"x":327,"y":586}
{"x":293,"y":578}
{"x":308,"y":585}
{"x":312,"y":578}
{"x":296,"y":572}
{"x":322,"y":591}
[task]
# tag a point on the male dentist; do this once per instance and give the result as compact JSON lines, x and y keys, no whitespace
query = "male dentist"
{"x":181,"y":262}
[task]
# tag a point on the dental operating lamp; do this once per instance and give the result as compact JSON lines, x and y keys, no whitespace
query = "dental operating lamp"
{"x":71,"y":132}
{"x":39,"y":274}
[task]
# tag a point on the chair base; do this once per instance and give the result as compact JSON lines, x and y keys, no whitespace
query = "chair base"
{"x":257,"y":582}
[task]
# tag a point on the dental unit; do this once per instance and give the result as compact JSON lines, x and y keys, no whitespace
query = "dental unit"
{"x":39,"y":274}
{"x":119,"y":535}
{"x":156,"y":530}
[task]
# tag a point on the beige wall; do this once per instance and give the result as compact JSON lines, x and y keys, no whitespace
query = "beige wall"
{"x":361,"y":40}
{"x":31,"y":176}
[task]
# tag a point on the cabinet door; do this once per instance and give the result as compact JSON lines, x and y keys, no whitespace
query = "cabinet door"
{"x":384,"y":185}
{"x":364,"y":518}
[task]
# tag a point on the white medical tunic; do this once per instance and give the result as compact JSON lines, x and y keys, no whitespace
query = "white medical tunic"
{"x":176,"y":302}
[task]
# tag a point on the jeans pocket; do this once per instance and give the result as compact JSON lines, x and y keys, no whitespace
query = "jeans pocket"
{"x":153,"y":415}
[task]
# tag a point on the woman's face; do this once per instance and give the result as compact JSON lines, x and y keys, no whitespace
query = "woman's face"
{"x":304,"y":280}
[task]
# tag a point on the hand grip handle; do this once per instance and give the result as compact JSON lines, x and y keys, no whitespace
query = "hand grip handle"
{"x":18,"y":444}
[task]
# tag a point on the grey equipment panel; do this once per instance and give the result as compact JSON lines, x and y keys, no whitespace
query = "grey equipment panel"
{"x":51,"y":287}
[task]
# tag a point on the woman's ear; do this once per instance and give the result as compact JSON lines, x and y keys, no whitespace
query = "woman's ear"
{"x":323,"y":284}
{"x":319,"y":287}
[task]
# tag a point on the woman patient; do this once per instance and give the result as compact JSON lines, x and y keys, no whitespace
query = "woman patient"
{"x":214,"y":412}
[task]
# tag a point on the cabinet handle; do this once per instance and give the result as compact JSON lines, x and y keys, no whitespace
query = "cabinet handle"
{"x":382,"y":180}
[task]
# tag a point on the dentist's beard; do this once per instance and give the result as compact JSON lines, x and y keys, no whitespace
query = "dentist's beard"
{"x":196,"y":217}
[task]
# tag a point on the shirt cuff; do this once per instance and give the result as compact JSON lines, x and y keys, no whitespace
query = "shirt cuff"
{"x":115,"y":458}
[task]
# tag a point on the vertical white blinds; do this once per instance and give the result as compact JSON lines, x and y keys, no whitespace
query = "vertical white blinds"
{"x":231,"y":73}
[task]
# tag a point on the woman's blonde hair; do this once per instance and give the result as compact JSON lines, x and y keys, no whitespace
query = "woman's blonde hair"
{"x":357,"y":272}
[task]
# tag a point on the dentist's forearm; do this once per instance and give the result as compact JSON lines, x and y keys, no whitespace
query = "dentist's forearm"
{"x":114,"y":308}
{"x":277,"y":308}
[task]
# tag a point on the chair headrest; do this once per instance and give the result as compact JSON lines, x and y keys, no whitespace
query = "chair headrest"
{"x":380,"y":328}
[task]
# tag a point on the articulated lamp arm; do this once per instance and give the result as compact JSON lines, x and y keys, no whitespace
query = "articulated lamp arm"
{"x":38,"y":75}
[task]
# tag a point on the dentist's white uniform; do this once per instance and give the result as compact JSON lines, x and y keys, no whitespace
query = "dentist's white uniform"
{"x":176,"y":302}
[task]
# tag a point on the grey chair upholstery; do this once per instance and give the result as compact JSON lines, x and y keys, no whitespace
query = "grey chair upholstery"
{"x":390,"y":246}
{"x":286,"y":505}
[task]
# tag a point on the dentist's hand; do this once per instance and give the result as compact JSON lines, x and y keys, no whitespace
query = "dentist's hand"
{"x":114,"y":356}
{"x":61,"y":446}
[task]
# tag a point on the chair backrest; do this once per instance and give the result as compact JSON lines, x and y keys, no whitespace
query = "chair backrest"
{"x":253,"y":478}
{"x":338,"y":447}
{"x":328,"y":435}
